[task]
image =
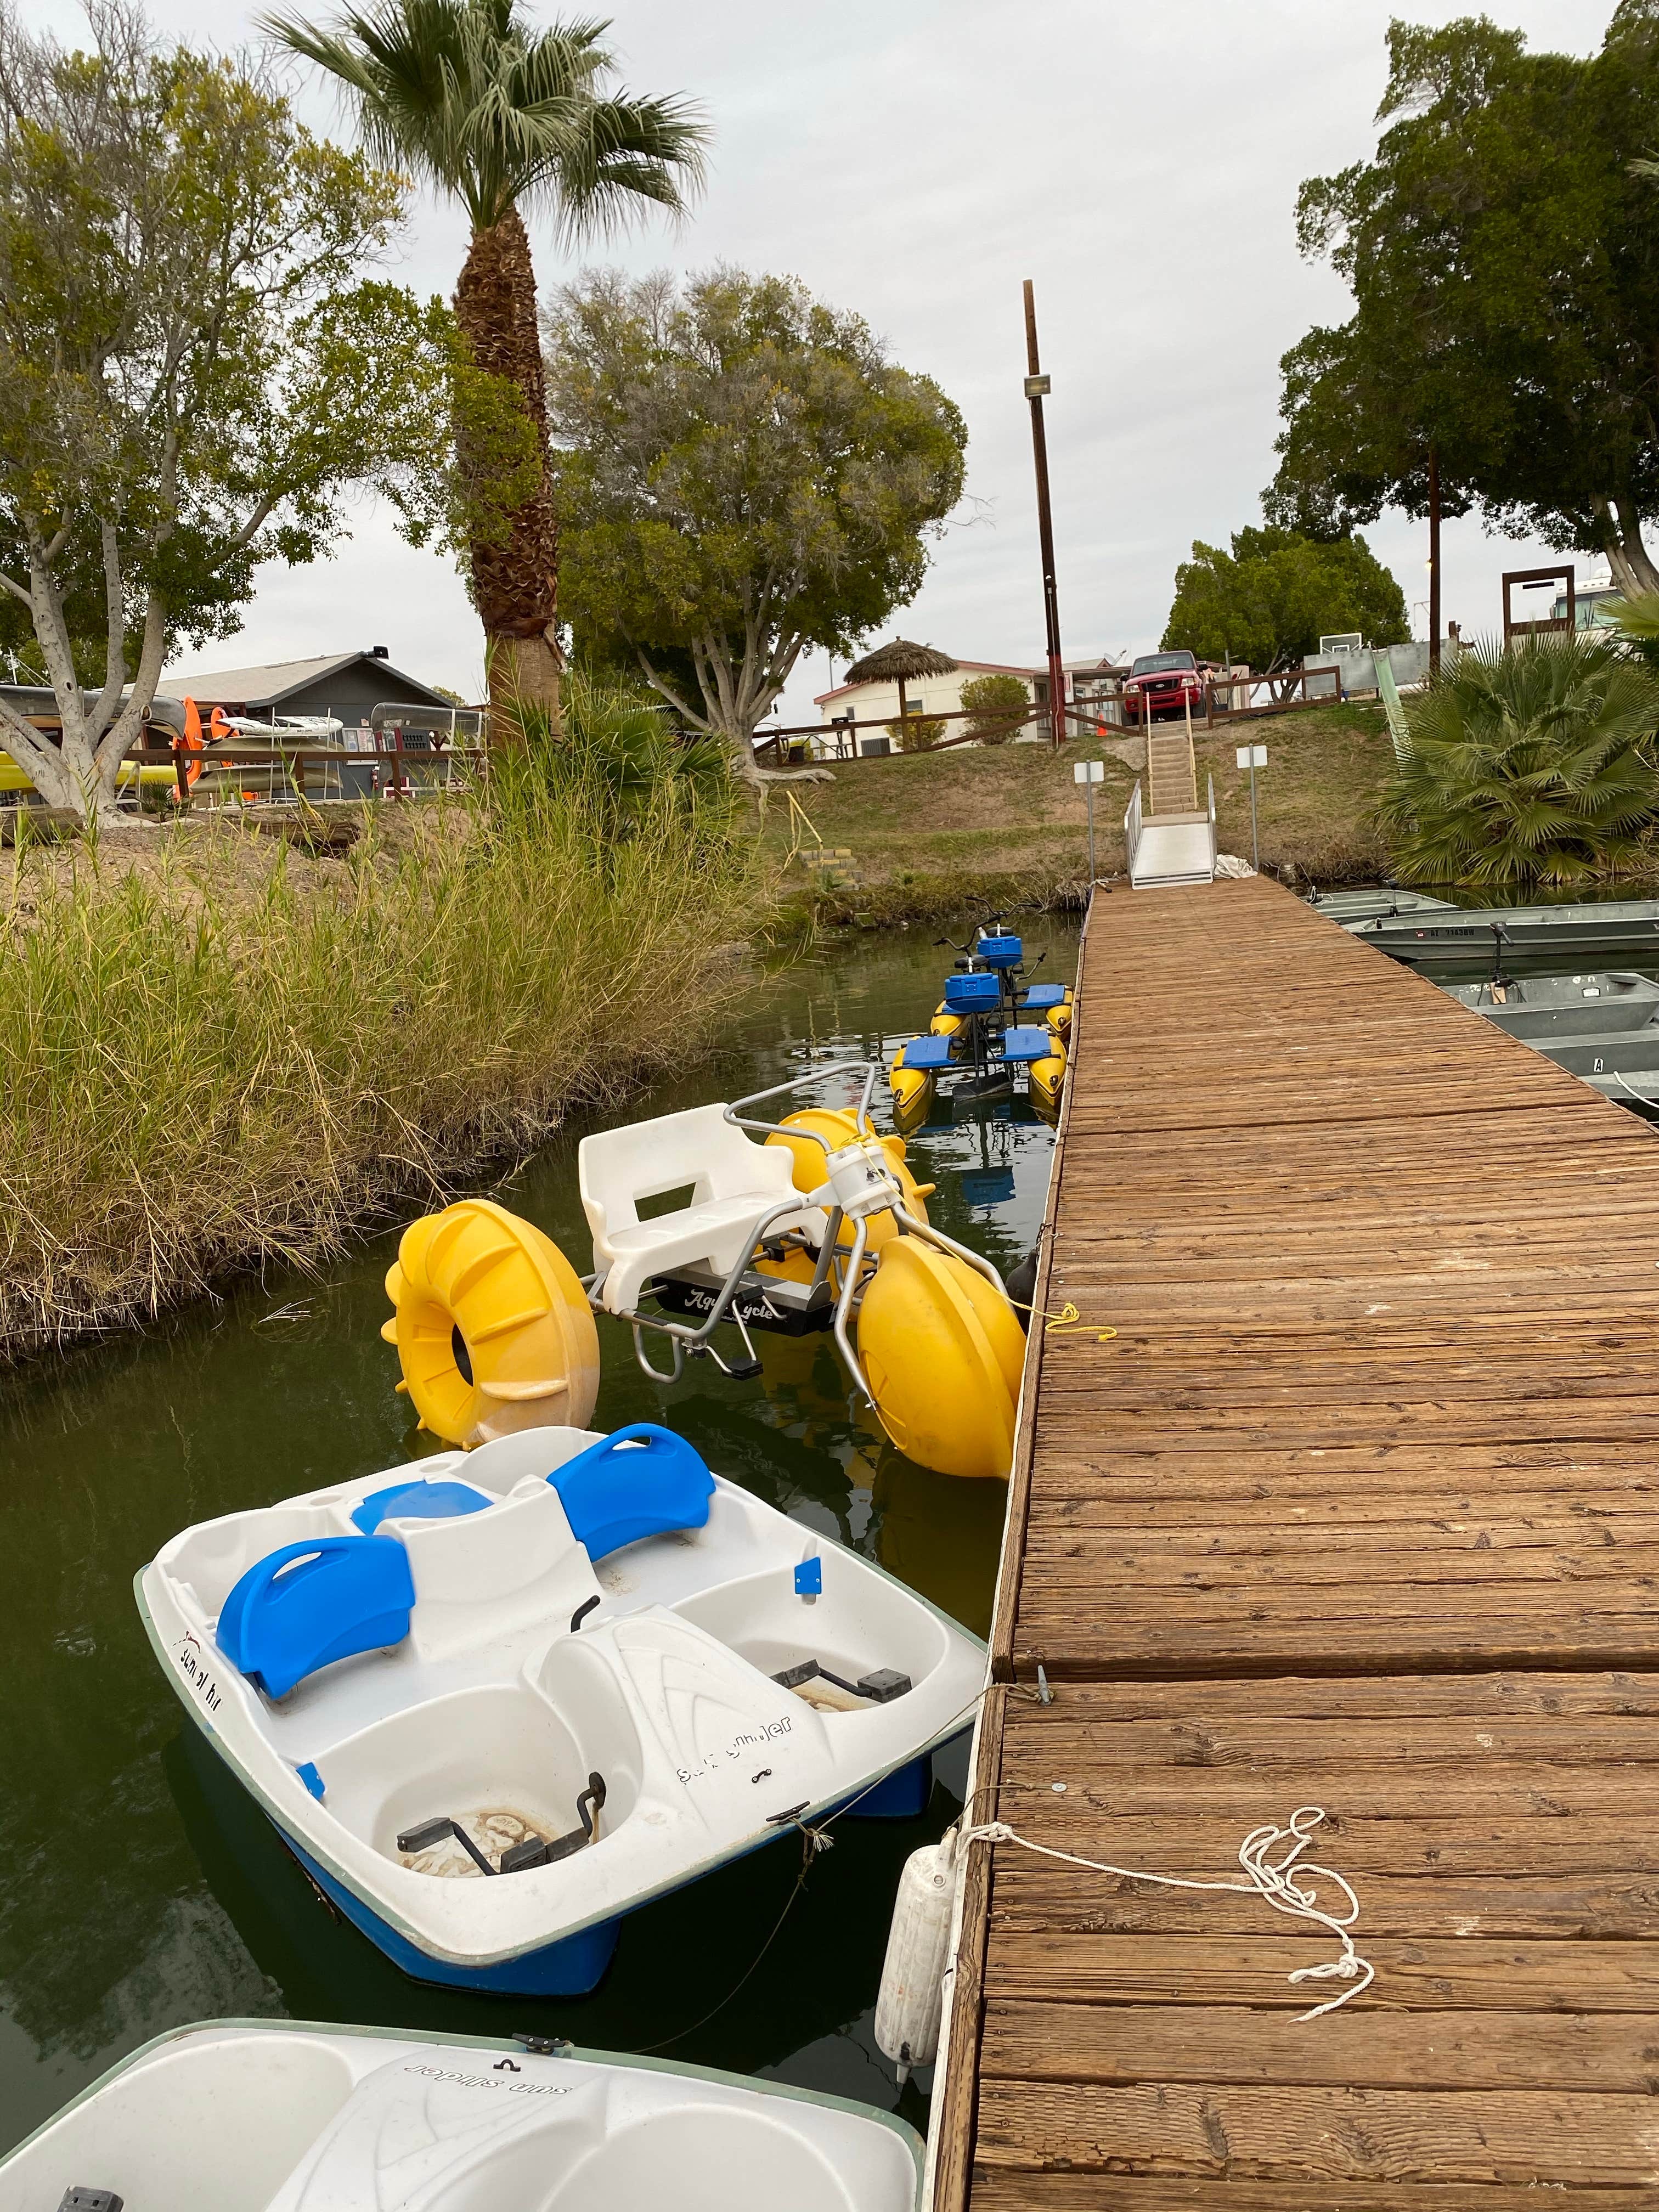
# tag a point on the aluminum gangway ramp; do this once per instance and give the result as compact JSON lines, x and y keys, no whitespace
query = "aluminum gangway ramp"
{"x":1174,"y":843}
{"x":1358,"y":1509}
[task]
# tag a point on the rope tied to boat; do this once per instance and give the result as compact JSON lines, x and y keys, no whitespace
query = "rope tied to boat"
{"x":1274,"y":1879}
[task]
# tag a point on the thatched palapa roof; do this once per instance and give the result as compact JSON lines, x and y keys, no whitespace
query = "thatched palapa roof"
{"x":900,"y":662}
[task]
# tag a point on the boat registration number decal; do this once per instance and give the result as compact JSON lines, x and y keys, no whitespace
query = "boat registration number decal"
{"x":194,"y":1666}
{"x":739,"y":1747}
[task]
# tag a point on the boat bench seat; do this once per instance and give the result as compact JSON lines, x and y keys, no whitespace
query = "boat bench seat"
{"x":734,"y":1184}
{"x":1042,"y":996}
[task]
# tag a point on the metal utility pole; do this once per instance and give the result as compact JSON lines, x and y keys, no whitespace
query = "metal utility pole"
{"x":1036,"y":385}
{"x":1434,"y":557}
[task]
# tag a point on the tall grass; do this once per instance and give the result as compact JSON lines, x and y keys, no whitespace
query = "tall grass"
{"x":231,"y":1059}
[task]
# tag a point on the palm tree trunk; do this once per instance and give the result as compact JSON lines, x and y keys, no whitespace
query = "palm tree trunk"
{"x":515,"y":573}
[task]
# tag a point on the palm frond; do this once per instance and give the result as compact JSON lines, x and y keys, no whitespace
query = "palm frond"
{"x":1532,"y":763}
{"x":480,"y":102}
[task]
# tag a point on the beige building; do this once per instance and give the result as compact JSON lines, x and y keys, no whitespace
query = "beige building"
{"x":878,"y":703}
{"x":1088,"y":682}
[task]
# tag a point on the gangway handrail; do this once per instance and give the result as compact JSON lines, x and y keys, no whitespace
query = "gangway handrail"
{"x":1132,"y":831}
{"x":1212,"y":784}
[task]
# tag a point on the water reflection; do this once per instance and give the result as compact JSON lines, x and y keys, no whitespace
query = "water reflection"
{"x":143,"y":1889}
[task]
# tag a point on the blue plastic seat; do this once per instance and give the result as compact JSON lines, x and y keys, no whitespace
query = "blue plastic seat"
{"x":1000,"y":952}
{"x":1042,"y":996}
{"x":928,"y":1052}
{"x":974,"y":994}
{"x":305,"y":1604}
{"x":1020,"y":1047}
{"x":419,"y":1501}
{"x":643,"y":1481}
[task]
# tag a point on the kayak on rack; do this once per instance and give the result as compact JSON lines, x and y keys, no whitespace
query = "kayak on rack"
{"x":495,"y":1701}
{"x":246,"y":2116}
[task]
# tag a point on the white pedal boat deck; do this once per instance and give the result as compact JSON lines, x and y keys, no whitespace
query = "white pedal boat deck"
{"x":241,"y":2116}
{"x":494,"y":1677}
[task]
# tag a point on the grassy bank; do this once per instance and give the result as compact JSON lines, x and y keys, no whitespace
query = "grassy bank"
{"x":927,"y":830}
{"x":216,"y":1053}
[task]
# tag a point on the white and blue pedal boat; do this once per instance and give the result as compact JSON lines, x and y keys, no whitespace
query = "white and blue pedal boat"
{"x":494,"y":1701}
{"x":246,"y":2116}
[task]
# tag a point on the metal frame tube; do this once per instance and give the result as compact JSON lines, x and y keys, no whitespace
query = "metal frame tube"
{"x":870,"y":1069}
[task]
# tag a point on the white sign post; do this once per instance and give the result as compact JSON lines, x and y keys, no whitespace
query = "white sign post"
{"x":1089,"y":774}
{"x":1252,"y":757}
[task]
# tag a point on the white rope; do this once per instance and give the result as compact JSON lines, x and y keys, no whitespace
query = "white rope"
{"x":1273,"y":1879}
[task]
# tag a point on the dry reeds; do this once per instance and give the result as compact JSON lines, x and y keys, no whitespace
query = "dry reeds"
{"x":194,"y":1079}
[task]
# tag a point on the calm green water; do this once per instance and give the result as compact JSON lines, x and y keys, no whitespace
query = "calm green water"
{"x":140,"y":1889}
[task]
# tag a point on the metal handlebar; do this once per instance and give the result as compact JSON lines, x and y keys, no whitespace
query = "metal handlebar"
{"x":869,"y":1069}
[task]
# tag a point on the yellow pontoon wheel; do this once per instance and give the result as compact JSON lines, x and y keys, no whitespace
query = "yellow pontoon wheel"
{"x":1047,"y":1078}
{"x":493,"y":1330}
{"x":817,"y":1127}
{"x":942,"y":1350}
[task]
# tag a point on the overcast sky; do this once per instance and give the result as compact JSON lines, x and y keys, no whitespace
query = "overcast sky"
{"x":914,"y":160}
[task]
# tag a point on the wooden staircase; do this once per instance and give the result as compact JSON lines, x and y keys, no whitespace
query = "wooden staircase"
{"x":1171,"y":773}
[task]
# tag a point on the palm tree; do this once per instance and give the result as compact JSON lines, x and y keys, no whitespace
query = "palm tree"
{"x":1532,"y":763}
{"x":502,"y":116}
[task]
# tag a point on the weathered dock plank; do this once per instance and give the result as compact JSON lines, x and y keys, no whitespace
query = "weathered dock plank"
{"x":1359,"y":1509}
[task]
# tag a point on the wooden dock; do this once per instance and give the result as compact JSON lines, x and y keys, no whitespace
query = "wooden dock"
{"x":1359,"y":1509}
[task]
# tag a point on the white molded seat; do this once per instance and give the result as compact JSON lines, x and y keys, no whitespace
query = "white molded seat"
{"x":735,"y":1184}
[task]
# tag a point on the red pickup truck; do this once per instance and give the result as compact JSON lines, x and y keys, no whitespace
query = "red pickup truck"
{"x":1162,"y":683}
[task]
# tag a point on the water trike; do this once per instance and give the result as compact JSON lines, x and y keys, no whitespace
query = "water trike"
{"x":818,"y":1226}
{"x":247,"y":2116}
{"x":495,"y":1700}
{"x":992,"y":1022}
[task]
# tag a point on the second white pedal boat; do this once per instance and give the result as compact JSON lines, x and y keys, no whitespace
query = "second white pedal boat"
{"x":496,"y":1700}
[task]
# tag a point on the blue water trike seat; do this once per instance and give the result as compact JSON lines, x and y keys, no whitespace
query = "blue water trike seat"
{"x":305,"y":1604}
{"x":1022,"y":1045}
{"x":928,"y":1052}
{"x":1042,"y":996}
{"x":1000,"y":952}
{"x":642,"y":1481}
{"x":972,"y":994}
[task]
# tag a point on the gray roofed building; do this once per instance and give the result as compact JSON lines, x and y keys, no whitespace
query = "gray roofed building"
{"x":344,"y":684}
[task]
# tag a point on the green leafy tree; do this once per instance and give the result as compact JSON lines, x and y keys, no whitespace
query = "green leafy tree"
{"x":194,"y":372}
{"x":1504,"y":265}
{"x":504,"y":116}
{"x":1270,"y":601}
{"x":743,"y":474}
{"x":998,"y":707}
{"x":1532,"y":764}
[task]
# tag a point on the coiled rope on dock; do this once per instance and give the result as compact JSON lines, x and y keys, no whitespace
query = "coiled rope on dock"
{"x":1274,"y":1879}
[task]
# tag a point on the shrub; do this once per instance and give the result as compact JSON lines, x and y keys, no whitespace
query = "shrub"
{"x":1529,"y":764}
{"x":998,"y":707}
{"x":916,"y":734}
